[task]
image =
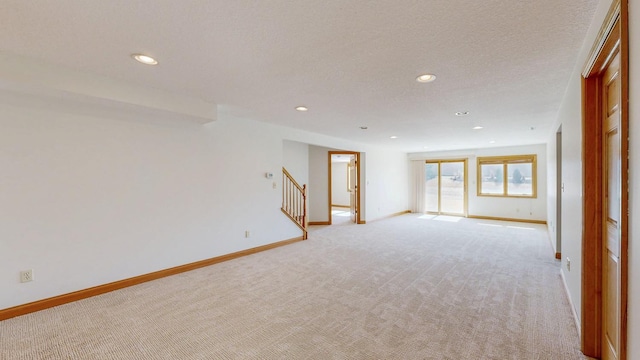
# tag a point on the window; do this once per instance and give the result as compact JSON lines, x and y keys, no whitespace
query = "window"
{"x":507,"y":176}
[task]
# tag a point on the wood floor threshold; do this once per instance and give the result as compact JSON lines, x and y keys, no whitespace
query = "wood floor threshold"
{"x":121,"y":284}
{"x":541,"y":222}
{"x":319,"y":223}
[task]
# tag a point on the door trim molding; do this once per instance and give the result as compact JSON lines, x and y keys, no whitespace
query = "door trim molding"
{"x":613,"y":37}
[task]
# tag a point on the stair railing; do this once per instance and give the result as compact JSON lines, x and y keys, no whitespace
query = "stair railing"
{"x":294,"y":201}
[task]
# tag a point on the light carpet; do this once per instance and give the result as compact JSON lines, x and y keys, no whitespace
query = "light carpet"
{"x":409,"y":287}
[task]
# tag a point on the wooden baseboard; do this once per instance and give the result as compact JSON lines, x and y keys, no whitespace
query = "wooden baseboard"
{"x":394,"y":215}
{"x":399,"y":213}
{"x":117,"y":285}
{"x":541,"y":222}
{"x":363,"y":222}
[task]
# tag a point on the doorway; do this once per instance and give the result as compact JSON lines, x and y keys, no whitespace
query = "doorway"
{"x":344,"y":187}
{"x":446,"y":187}
{"x":559,"y":191}
{"x":605,"y":190}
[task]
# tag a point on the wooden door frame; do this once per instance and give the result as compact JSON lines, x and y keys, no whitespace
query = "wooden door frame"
{"x":613,"y":37}
{"x":358,"y":192}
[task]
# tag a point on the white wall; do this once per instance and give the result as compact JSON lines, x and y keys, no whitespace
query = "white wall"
{"x":634,"y":181}
{"x":570,"y":118}
{"x":386,"y":175}
{"x":88,"y":199}
{"x":510,"y":208}
{"x":340,"y":195}
{"x":571,"y":233}
{"x":318,"y":184}
{"x":296,"y":160}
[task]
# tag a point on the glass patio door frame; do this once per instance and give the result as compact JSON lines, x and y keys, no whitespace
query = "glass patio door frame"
{"x":439,"y":194}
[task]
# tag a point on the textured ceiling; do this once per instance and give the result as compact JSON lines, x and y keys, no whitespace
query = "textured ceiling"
{"x":353,"y":63}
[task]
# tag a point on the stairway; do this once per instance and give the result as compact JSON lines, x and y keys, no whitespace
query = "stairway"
{"x":294,"y":201}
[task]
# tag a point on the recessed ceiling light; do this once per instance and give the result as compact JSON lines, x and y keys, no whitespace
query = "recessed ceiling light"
{"x":302,"y":108}
{"x":477,"y":127}
{"x":492,"y":142}
{"x":393,"y":137}
{"x":145,"y":59}
{"x":425,"y":78}
{"x":462,"y":113}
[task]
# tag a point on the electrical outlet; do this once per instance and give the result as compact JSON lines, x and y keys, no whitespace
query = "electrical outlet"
{"x":247,"y":234}
{"x":26,"y":276}
{"x":568,"y":264}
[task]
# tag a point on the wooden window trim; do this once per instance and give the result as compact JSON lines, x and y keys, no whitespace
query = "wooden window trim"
{"x":505,"y":161}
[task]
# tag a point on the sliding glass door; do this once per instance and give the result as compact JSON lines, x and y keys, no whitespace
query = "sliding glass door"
{"x":446,"y":187}
{"x":432,"y":189}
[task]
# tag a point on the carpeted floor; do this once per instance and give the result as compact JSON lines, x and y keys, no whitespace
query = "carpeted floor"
{"x":409,"y":287}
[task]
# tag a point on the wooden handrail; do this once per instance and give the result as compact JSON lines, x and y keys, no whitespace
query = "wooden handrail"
{"x":294,"y":201}
{"x":288,"y":176}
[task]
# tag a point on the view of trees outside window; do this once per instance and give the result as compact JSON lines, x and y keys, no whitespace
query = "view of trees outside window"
{"x":520,"y":179}
{"x":517,"y":171}
{"x":492,"y":179}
